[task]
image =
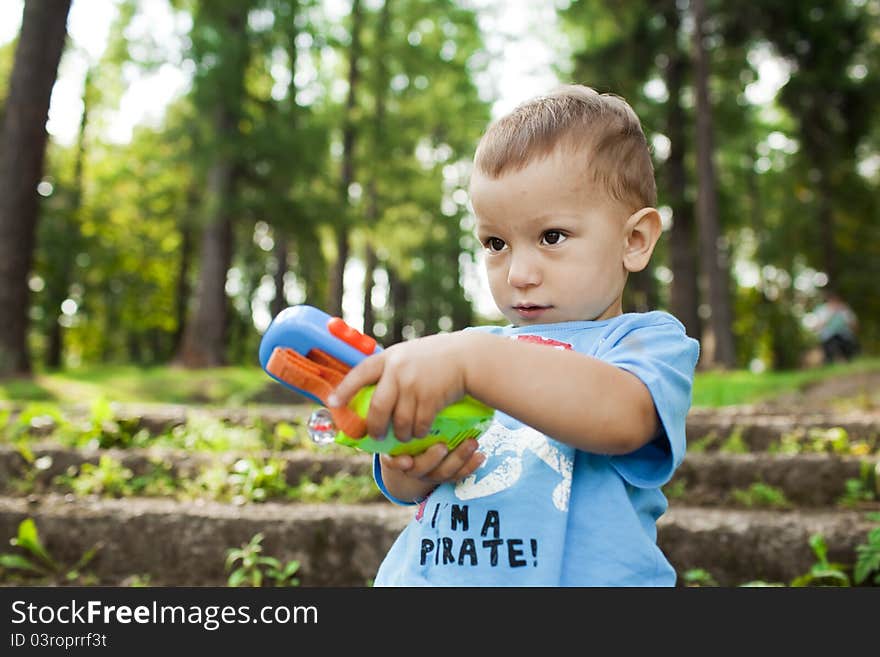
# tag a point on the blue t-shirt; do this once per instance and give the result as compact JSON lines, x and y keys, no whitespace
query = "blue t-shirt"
{"x":539,"y":512}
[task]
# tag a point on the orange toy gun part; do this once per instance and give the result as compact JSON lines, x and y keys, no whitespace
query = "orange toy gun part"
{"x":318,"y":374}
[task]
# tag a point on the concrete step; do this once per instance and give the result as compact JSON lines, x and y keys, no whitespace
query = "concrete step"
{"x":737,"y":546}
{"x":704,"y":479}
{"x":805,"y":480}
{"x":57,"y":460}
{"x":758,"y":428}
{"x":185,"y":544}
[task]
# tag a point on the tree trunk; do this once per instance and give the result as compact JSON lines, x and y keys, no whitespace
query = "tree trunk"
{"x":22,"y":151}
{"x":684,"y":295}
{"x":373,"y":211}
{"x":279,"y":302}
{"x":369,"y":313}
{"x":712,"y":255}
{"x":337,"y":280}
{"x":641,"y":293}
{"x":182,"y":290}
{"x":399,"y":301}
{"x":205,"y":333}
{"x":55,"y":350}
{"x":204,"y":338}
{"x":827,"y":229}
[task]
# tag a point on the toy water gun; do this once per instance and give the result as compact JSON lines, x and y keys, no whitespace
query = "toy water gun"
{"x":310,"y":352}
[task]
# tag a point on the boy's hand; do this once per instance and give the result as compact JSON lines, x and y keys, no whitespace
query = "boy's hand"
{"x":412,"y":477}
{"x":414,"y":381}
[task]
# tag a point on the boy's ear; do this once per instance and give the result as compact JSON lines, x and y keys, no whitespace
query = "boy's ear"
{"x":643,"y":229}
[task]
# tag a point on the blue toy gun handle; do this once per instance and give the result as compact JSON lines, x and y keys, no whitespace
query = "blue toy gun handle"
{"x":303,"y":328}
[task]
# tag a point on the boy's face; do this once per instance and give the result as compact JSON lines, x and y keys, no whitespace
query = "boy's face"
{"x":554,"y":245}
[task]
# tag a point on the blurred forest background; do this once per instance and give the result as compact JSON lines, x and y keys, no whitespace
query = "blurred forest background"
{"x":319,"y":152}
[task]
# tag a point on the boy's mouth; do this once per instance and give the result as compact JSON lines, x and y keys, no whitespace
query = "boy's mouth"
{"x":530,"y":310}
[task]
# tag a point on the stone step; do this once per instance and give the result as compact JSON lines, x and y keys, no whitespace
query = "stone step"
{"x":56,"y":460}
{"x":185,"y":544}
{"x":737,"y":547}
{"x":759,"y":431}
{"x":805,"y":480}
{"x":758,"y":428}
{"x":703,"y":479}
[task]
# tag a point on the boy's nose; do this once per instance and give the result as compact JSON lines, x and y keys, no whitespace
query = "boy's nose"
{"x":524,"y":271}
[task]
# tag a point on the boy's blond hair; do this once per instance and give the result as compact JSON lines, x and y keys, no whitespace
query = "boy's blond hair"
{"x":603,"y":128}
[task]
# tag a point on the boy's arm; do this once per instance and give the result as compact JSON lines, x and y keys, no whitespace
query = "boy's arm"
{"x":575,"y":398}
{"x":579,"y":400}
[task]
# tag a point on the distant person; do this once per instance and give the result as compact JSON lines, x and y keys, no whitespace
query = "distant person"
{"x":836,"y":325}
{"x":564,"y":488}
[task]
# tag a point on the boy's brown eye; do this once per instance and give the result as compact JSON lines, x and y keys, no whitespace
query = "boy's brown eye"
{"x":553,"y":237}
{"x":495,"y":244}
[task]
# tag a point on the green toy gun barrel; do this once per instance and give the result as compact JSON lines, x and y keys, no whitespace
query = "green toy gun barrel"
{"x":466,"y":418}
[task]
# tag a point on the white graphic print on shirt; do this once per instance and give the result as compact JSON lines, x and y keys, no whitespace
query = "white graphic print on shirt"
{"x":509,"y":446}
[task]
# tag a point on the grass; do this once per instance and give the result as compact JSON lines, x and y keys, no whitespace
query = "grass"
{"x":235,"y":386}
{"x":712,"y":389}
{"x":229,"y":386}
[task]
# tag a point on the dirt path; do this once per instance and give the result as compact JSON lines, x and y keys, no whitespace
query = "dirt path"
{"x":853,"y":392}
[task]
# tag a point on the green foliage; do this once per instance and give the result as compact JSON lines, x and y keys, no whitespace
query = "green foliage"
{"x":734,"y":443}
{"x":867,"y":567}
{"x":344,"y":489}
{"x":760,"y":583}
{"x":109,"y":478}
{"x":32,"y":560}
{"x":715,"y":388}
{"x":863,"y":489}
{"x":249,"y":567}
{"x":698,"y":577}
{"x":818,"y":440}
{"x":761,"y":495}
{"x":247,"y":480}
{"x":702,"y":444}
{"x":202,"y":432}
{"x":676,"y":488}
{"x":138,"y":581}
{"x":823,"y":572}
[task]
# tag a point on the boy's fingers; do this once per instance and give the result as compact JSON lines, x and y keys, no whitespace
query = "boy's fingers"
{"x":448,"y":468}
{"x":382,"y":405}
{"x":402,"y":462}
{"x":428,"y":460}
{"x":402,"y":421}
{"x":363,"y":374}
{"x":423,"y":418}
{"x":474,"y":462}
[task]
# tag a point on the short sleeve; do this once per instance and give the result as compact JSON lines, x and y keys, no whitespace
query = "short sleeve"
{"x":658,"y":351}
{"x":380,"y":483}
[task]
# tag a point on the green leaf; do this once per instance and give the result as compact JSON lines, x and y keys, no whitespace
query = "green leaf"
{"x":18,"y":562}
{"x":28,"y":539}
{"x":86,"y":558}
{"x":272,"y":562}
{"x":101,"y":411}
{"x":820,"y":548}
{"x":832,"y":574}
{"x":867,"y":562}
{"x":236,"y":578}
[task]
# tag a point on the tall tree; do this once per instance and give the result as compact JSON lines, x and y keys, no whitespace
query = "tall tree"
{"x":221,"y":44}
{"x":22,"y":150}
{"x":68,"y":239}
{"x":684,"y":297}
{"x":621,"y":49}
{"x":379,"y":145}
{"x":712,"y":256}
{"x":347,"y":175}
